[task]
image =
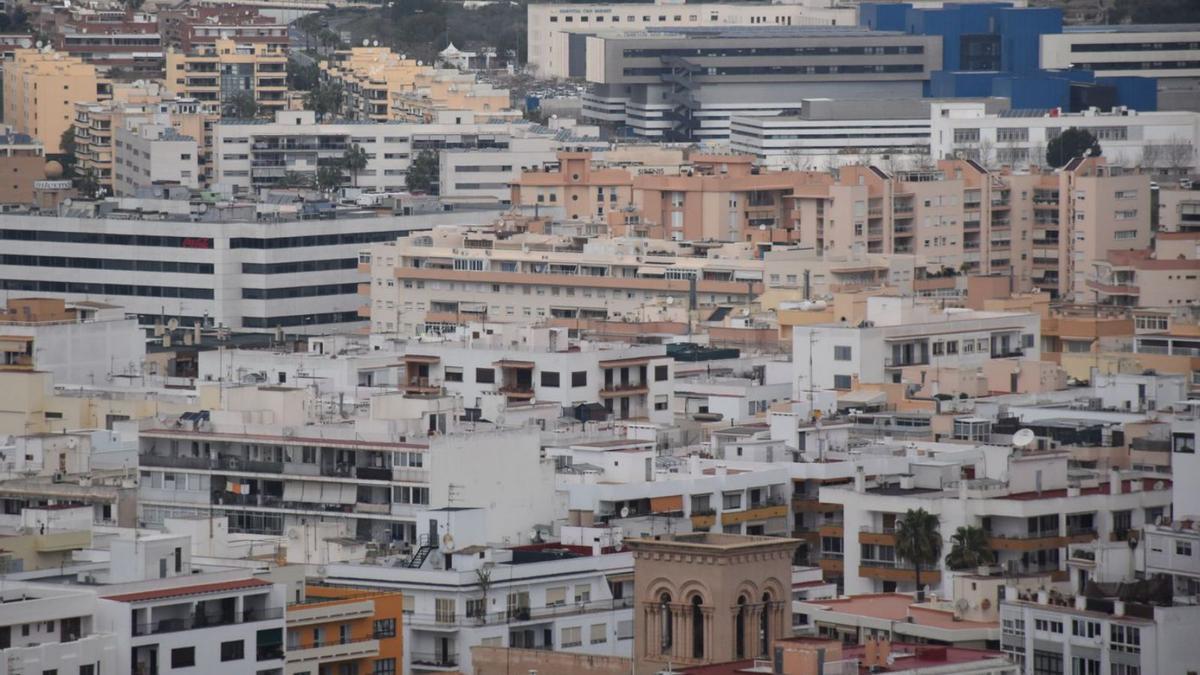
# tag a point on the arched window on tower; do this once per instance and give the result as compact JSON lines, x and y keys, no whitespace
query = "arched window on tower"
{"x":697,"y":628}
{"x":764,"y":627}
{"x":668,"y":625}
{"x":739,"y":629}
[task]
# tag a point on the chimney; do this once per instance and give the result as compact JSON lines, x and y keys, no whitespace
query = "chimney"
{"x":1080,"y":602}
{"x":694,"y":465}
{"x":1118,"y":608}
{"x":1043,"y":598}
{"x":1010,"y":593}
{"x":860,"y":480}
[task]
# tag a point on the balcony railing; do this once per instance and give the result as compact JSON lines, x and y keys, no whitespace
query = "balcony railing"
{"x":174,"y":625}
{"x":440,"y":660}
{"x":517,"y":614}
{"x":373,"y":473}
{"x":226,"y":463}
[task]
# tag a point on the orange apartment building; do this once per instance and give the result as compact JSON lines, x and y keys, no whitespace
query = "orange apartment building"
{"x":345,"y":630}
{"x":1045,"y":230}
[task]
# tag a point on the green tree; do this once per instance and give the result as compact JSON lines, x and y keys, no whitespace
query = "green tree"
{"x":1072,"y":143}
{"x":295,"y":179}
{"x":301,"y":77}
{"x":325,"y":99}
{"x":422,"y":175}
{"x":969,"y":549}
{"x":240,"y":105}
{"x":919,"y":541}
{"x":310,"y":25}
{"x":354,"y":160}
{"x":67,"y":156}
{"x":329,"y":178}
{"x":87,"y":184}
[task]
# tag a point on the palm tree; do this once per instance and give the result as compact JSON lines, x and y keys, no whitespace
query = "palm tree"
{"x":969,"y":549}
{"x":329,"y":178}
{"x":919,"y":541}
{"x":354,"y":160}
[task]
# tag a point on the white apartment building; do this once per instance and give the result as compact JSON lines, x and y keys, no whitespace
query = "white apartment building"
{"x":267,"y":464}
{"x":46,"y":628}
{"x":1034,"y":515}
{"x":1128,"y":138}
{"x":492,"y":368}
{"x":453,"y":276}
{"x":900,"y":332}
{"x":1172,"y":545}
{"x":797,"y":143}
{"x":251,"y":275}
{"x":84,"y":345}
{"x":1097,"y":635}
{"x":579,"y":603}
{"x":1169,"y":53}
{"x":550,"y":26}
{"x":152,"y":154}
{"x":253,"y":155}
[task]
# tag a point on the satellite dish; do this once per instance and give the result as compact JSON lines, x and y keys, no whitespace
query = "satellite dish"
{"x":670,"y":299}
{"x":293,"y":533}
{"x":39,"y":44}
{"x":172,"y":324}
{"x":1023,"y":438}
{"x":962,"y":605}
{"x":624,"y":511}
{"x":366,"y":42}
{"x":448,"y":541}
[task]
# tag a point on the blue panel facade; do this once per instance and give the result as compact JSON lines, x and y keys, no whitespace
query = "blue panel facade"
{"x":993,"y":49}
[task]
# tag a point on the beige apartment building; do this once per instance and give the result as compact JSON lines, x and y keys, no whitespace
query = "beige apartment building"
{"x":381,"y":85}
{"x":1043,"y":229}
{"x":40,"y":91}
{"x":22,"y":162}
{"x":213,"y":73}
{"x":96,"y":124}
{"x":432,"y":282}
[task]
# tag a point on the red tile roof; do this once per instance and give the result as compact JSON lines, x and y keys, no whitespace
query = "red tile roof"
{"x":195,"y":589}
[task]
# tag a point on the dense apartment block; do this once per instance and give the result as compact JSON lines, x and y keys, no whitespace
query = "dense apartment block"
{"x":188,"y":27}
{"x":250,"y":156}
{"x":213,"y":73}
{"x":154,"y":154}
{"x":40,"y":91}
{"x":22,"y":163}
{"x":97,"y":124}
{"x":432,"y":283}
{"x":686,"y":83}
{"x":130,"y":42}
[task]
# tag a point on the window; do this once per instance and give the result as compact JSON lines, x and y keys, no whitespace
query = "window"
{"x":549,"y":378}
{"x":1122,"y":522}
{"x":1183,"y":548}
{"x":731,"y":501}
{"x":1084,"y":666}
{"x":87,"y":669}
{"x":234,"y":650}
{"x":841,"y":382}
{"x":583,"y":593}
{"x":571,"y":637}
{"x":1085,"y":628}
{"x":183,"y":657}
{"x":556,"y":596}
{"x":385,"y":667}
{"x":1047,"y":663}
{"x":701,"y":503}
{"x":444,"y":610}
{"x":599,"y":633}
{"x":485,"y":375}
{"x":579,"y":378}
{"x":476,"y":608}
{"x":384,"y":628}
{"x":842,"y":352}
{"x":453,"y":374}
{"x":1126,"y":639}
{"x":1184,"y":443}
{"x":661,"y":373}
{"x":1048,"y":625}
{"x":1123,"y":669}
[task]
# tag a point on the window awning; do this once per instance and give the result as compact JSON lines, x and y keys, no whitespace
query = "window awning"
{"x":652,"y":272}
{"x":666,"y":504}
{"x":747,"y":275}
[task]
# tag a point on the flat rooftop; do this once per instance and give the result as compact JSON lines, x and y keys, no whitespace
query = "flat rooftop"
{"x":898,"y":607}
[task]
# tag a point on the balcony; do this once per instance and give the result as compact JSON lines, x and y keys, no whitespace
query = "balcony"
{"x":831,"y":565}
{"x":226,"y":463}
{"x":884,"y":570}
{"x":1040,"y":541}
{"x":704,"y":519}
{"x":433,"y":660}
{"x":761,"y":512}
{"x":338,"y":651}
{"x":613,"y":389}
{"x":810,"y":505}
{"x":448,"y":621}
{"x":372,"y":473}
{"x":917,"y":360}
{"x":831,"y":530}
{"x":886,"y":537}
{"x":422,"y":385}
{"x":517,"y":391}
{"x":195,"y":621}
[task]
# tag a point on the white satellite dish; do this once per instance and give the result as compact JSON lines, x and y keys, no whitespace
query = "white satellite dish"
{"x":1023,"y":438}
{"x":670,"y":299}
{"x":366,"y":42}
{"x":172,"y":324}
{"x":624,"y":511}
{"x":448,"y":541}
